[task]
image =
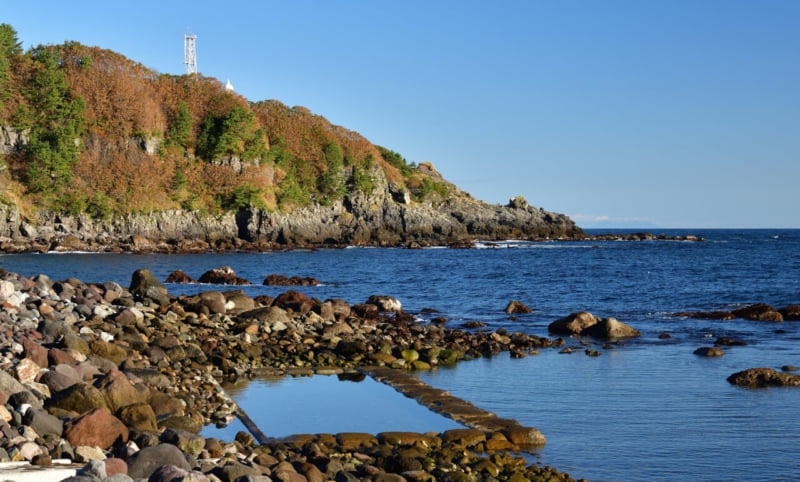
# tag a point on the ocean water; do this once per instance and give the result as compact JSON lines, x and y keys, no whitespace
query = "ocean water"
{"x":647,"y":409}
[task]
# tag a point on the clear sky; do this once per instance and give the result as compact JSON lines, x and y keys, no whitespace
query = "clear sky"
{"x":634,"y":113}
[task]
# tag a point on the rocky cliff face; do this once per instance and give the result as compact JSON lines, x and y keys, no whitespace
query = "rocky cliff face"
{"x":375,"y":220}
{"x":386,"y":216}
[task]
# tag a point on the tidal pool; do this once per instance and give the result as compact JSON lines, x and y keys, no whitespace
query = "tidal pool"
{"x":328,"y":404}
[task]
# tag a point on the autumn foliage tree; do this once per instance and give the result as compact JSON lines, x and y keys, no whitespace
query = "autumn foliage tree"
{"x":108,"y":136}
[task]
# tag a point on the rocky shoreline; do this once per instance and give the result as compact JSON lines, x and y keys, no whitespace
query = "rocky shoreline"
{"x":119,"y":381}
{"x":457,"y":224}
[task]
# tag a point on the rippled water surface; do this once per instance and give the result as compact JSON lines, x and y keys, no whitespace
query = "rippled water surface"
{"x":646,"y":410}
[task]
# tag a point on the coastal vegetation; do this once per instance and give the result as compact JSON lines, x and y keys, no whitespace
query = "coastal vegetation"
{"x":89,"y":131}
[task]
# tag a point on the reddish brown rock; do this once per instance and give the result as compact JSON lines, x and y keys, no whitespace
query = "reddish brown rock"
{"x":116,"y":466}
{"x":280,"y":280}
{"x":790,"y":313}
{"x":96,"y":428}
{"x":35,"y":352}
{"x":759,"y":312}
{"x":707,"y":315}
{"x":179,"y":277}
{"x":223,"y":276}
{"x":57,"y":356}
{"x":517,"y":307}
{"x":295,"y":301}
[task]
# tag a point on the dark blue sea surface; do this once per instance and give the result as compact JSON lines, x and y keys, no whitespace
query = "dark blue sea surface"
{"x":647,"y":409}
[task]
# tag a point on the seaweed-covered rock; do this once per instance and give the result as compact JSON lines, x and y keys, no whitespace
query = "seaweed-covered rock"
{"x":763,"y":377}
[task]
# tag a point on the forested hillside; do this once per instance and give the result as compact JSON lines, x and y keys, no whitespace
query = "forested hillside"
{"x":86,"y":130}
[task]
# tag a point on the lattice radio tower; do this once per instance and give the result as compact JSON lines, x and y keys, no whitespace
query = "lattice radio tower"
{"x":190,"y":54}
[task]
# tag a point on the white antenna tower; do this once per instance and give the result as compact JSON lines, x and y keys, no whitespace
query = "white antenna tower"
{"x":190,"y":54}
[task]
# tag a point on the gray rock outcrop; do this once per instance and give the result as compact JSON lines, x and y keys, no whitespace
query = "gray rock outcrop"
{"x":379,"y":218}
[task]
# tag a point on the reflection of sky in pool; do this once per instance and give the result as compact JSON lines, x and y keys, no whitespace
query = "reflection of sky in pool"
{"x":324,"y":404}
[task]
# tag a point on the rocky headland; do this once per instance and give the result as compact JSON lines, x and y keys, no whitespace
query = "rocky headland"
{"x":377,"y":220}
{"x":118,"y":381}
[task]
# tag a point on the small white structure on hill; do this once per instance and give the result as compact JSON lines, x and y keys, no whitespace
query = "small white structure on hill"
{"x":190,"y":54}
{"x":228,"y":86}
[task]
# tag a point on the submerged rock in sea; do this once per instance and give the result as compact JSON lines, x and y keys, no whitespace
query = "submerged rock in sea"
{"x":709,"y":351}
{"x":790,"y":313}
{"x":759,"y":312}
{"x":763,"y":377}
{"x":281,"y":280}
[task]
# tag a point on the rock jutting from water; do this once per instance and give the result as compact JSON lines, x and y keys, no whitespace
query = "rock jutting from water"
{"x":763,"y":377}
{"x":121,"y":381}
{"x":586,"y":324}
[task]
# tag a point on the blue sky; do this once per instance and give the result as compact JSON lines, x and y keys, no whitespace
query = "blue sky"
{"x":630,"y":113}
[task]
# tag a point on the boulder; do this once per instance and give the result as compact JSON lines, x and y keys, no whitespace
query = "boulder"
{"x":517,"y":307}
{"x":281,"y":280}
{"x":129,"y":317}
{"x":80,"y":397}
{"x":42,"y":422}
{"x":610,"y":329}
{"x":525,"y":437}
{"x":295,"y":301}
{"x":138,"y":416}
{"x":763,"y":377}
{"x":385,"y":303}
{"x":759,"y":312}
{"x":27,"y":370}
{"x":790,"y":313}
{"x":179,"y":277}
{"x":709,"y":351}
{"x":119,"y":391}
{"x":237,"y":302}
{"x":96,"y":428}
{"x":116,"y":466}
{"x":145,"y":462}
{"x":171,"y":473}
{"x":35,"y":352}
{"x":341,"y":308}
{"x":57,"y":380}
{"x":234,"y":470}
{"x":145,"y":286}
{"x":213,"y":300}
{"x":107,"y":350}
{"x":266,"y":315}
{"x":223,"y":275}
{"x":188,"y":442}
{"x":586,"y":324}
{"x":573,"y":324}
